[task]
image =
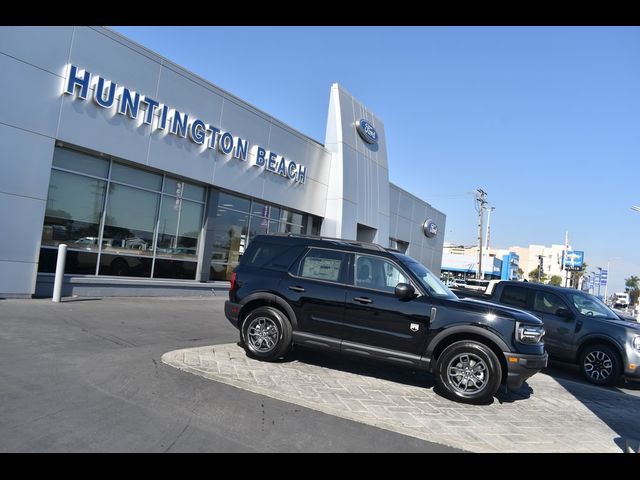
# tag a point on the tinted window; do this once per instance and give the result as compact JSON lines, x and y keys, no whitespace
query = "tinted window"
{"x":133,"y":176}
{"x":79,"y":162}
{"x":271,"y":255}
{"x":322,"y":265}
{"x":516,"y":296}
{"x":547,"y":302}
{"x":377,"y":273}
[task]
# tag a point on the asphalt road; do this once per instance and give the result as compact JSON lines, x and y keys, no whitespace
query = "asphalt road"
{"x":85,"y":376}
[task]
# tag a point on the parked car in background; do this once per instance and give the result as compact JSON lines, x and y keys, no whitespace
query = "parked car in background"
{"x":364,"y":300}
{"x":579,"y":327}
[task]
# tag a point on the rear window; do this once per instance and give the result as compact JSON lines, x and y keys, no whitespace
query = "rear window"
{"x":271,"y":255}
{"x":516,"y":296}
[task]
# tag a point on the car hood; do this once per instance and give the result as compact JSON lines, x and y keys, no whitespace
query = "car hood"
{"x":622,"y":323}
{"x":499,"y":309}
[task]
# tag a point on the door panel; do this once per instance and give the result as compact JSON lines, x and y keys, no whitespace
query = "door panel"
{"x":314,"y":291}
{"x":558,"y":339}
{"x":374,"y":316}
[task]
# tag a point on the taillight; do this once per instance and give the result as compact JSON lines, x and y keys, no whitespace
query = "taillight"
{"x":233,"y":281}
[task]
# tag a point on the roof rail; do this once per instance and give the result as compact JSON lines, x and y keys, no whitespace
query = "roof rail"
{"x":356,"y":243}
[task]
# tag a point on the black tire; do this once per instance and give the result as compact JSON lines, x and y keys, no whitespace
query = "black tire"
{"x":600,"y":364}
{"x":482,"y":367}
{"x":266,"y":334}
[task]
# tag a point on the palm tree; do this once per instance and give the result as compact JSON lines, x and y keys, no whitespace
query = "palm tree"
{"x":633,"y":286}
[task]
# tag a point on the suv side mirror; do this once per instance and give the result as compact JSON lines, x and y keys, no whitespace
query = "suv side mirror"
{"x":405,"y":291}
{"x":564,"y":313}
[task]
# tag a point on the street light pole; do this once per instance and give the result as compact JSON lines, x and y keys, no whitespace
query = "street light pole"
{"x":480,"y":203}
{"x":599,"y":280}
{"x":486,"y":246}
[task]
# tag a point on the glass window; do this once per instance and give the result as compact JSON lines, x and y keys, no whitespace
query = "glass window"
{"x":73,"y":212}
{"x":173,"y":186}
{"x":292,"y":217}
{"x":258,"y":226}
{"x":189,"y":228}
{"x":322,"y":265}
{"x":427,"y":279}
{"x":194,"y":192}
{"x":289,"y":228}
{"x":591,"y":306}
{"x":130,"y":220}
{"x":260,"y":209}
{"x":233,"y":202}
{"x":134,"y":176}
{"x":274,"y":213}
{"x":229,"y":236}
{"x":516,"y":296}
{"x":377,"y":273}
{"x":547,"y":302}
{"x":81,"y":162}
{"x":174,"y":269}
{"x":125,"y":265}
{"x":77,"y":262}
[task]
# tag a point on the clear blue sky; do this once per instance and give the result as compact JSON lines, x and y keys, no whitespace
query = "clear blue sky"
{"x":545,"y":119}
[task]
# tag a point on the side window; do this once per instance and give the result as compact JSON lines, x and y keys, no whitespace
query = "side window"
{"x":377,"y":273}
{"x":547,"y":302}
{"x":322,"y":265}
{"x":516,"y":296}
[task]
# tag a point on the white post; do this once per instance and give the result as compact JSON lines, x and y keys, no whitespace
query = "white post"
{"x":57,"y":285}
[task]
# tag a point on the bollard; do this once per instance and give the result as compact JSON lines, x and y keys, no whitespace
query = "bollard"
{"x":57,"y":284}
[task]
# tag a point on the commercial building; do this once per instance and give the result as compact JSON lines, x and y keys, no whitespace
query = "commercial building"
{"x":460,"y":262}
{"x":157,"y":179}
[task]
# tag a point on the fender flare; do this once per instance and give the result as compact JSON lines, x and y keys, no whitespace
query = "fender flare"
{"x":483,"y":332}
{"x":270,"y":297}
{"x":606,"y":338}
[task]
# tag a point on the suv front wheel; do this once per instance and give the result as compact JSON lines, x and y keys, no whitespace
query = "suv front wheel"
{"x":468,"y":371}
{"x":600,"y":365}
{"x":266,"y":334}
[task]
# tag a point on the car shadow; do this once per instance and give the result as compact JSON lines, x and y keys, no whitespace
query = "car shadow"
{"x":612,"y":405}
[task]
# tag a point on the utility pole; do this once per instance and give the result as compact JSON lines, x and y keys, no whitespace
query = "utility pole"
{"x":480,"y":203}
{"x":486,"y":245}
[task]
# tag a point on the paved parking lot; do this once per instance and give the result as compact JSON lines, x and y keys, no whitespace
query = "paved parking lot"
{"x":86,"y":375}
{"x":543,"y":416}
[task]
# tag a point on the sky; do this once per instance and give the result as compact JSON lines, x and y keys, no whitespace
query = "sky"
{"x":545,"y":119}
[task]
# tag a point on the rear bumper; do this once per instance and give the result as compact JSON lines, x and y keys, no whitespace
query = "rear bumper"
{"x":520,"y":367}
{"x":231,"y":311}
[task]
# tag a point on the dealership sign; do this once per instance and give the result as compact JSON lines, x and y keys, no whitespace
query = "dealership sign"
{"x":367,"y":132}
{"x":107,"y":94}
{"x":429,"y":228}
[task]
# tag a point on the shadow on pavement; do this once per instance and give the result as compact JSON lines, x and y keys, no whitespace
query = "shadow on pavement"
{"x":616,"y":408}
{"x":67,"y":300}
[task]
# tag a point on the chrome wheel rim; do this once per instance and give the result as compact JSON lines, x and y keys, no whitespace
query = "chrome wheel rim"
{"x":598,"y":365}
{"x":262,"y":334}
{"x":467,"y":373}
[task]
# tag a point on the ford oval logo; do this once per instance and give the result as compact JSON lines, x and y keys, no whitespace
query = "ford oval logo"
{"x":366,"y":131}
{"x":430,"y":228}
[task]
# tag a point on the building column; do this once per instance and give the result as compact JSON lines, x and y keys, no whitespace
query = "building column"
{"x":206,"y":237}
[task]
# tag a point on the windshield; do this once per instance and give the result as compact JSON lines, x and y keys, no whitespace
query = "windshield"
{"x":591,"y":306}
{"x":428,"y":280}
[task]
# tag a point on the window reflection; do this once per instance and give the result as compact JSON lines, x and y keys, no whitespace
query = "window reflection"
{"x":129,"y":222}
{"x":74,"y":208}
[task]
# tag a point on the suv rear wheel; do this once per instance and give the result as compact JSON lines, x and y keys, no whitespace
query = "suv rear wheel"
{"x":600,"y":364}
{"x":266,"y":334}
{"x":468,"y":371}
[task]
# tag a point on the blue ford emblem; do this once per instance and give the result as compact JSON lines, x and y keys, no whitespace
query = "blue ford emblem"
{"x":430,"y":228}
{"x":366,"y":131}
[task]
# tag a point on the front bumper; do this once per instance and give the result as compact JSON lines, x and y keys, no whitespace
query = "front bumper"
{"x":520,"y":367}
{"x":231,"y":311}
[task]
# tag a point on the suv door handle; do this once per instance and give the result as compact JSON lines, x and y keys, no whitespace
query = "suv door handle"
{"x":296,"y":288}
{"x":363,"y":299}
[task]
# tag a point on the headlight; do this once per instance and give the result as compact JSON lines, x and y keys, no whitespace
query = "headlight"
{"x":636,"y":343}
{"x":530,"y":334}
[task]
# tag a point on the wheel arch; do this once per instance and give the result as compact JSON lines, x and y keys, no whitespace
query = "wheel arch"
{"x":267,"y":299}
{"x":600,"y":339}
{"x":480,"y":335}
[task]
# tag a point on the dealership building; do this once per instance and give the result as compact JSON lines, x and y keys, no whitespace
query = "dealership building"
{"x":157,"y":180}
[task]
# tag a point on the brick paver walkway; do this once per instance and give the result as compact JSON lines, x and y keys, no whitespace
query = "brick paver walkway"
{"x":551,"y":419}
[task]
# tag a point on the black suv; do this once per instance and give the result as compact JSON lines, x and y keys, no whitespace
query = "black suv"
{"x":365,"y":300}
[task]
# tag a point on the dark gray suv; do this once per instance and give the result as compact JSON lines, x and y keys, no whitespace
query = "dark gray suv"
{"x":579,"y":328}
